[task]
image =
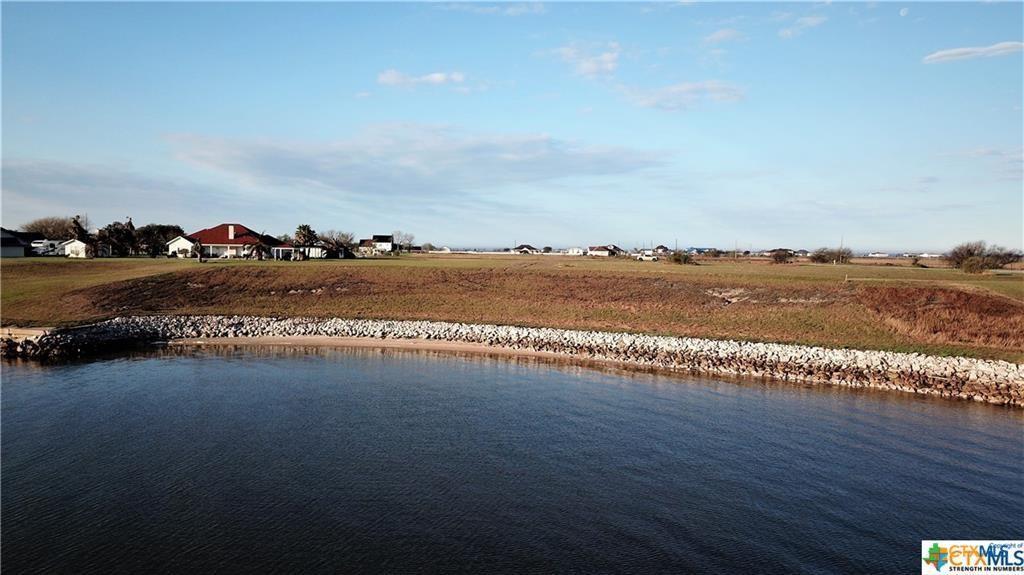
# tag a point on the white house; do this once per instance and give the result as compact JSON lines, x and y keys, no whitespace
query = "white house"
{"x":609,"y":250}
{"x":75,"y":249}
{"x":575,"y":252}
{"x":378,"y":244}
{"x":223,"y":241}
{"x":180,"y":246}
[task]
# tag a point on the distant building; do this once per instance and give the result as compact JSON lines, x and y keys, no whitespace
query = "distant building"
{"x":525,"y":249}
{"x":575,"y":252}
{"x":878,"y":255}
{"x":610,"y":250}
{"x":801,"y":253}
{"x":223,"y":241}
{"x":378,"y":244}
{"x":12,"y":245}
{"x":75,"y":249}
{"x":661,"y":250}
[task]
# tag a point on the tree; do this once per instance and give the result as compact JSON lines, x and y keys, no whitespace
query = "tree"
{"x":976,"y":257}
{"x":781,"y":256}
{"x":428,"y":247}
{"x":52,"y":228}
{"x":305,"y":235}
{"x":284,"y":238}
{"x":120,"y":236}
{"x":403,"y":239}
{"x":713,"y":253}
{"x":338,"y":241}
{"x":831,"y":255}
{"x":152,"y":238}
{"x":547,"y":249}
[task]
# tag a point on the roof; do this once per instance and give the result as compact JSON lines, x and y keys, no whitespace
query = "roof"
{"x":526,"y":247}
{"x":24,"y":237}
{"x":218,"y":235}
{"x":367,"y":243}
{"x":383,"y":239}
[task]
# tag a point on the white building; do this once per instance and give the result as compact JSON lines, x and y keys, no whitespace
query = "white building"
{"x":575,"y":252}
{"x":180,"y":246}
{"x":75,"y":249}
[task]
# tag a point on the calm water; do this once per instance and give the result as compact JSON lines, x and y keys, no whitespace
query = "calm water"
{"x":300,"y":460}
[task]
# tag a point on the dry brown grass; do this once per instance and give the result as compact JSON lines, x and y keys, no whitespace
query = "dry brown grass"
{"x":942,"y":315}
{"x":757,"y":301}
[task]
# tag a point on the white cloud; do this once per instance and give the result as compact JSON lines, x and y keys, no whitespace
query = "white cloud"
{"x":587,"y":63}
{"x":801,"y":24}
{"x":396,"y":78}
{"x":1000,"y":49}
{"x":684,"y":95}
{"x":511,"y":9}
{"x":409,"y":160}
{"x":904,"y":11}
{"x":723,"y":35}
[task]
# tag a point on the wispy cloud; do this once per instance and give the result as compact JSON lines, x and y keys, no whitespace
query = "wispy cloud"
{"x":904,"y":12}
{"x":684,"y":95}
{"x":801,"y":24}
{"x":33,"y":188}
{"x":723,"y":35}
{"x":1007,"y":163}
{"x":589,"y":62}
{"x":382,"y":163}
{"x":510,"y":9}
{"x":1000,"y":49}
{"x":396,"y":78}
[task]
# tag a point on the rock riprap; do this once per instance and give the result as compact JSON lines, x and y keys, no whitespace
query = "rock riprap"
{"x":989,"y":381}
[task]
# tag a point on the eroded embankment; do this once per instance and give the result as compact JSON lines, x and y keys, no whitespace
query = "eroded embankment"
{"x":990,"y":381}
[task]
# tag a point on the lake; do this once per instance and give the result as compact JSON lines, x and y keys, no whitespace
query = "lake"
{"x":326,"y":460}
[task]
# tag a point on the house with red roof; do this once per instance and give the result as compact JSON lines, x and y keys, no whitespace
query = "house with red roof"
{"x":227,"y":241}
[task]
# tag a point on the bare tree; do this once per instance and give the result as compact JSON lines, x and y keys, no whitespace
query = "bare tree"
{"x":975,"y":257}
{"x":337,"y":240}
{"x":403,"y":239}
{"x":52,"y":228}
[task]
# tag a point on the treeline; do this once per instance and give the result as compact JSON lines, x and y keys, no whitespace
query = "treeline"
{"x":119,"y":238}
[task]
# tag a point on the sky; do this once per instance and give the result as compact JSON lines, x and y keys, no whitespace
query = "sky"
{"x":883,"y":125}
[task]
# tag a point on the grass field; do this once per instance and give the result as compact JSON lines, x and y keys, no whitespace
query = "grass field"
{"x":935,"y":310}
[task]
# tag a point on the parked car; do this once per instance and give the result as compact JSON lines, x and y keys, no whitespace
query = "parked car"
{"x":646,"y":258}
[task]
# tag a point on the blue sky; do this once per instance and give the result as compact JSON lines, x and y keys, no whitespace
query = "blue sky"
{"x":890,"y":125}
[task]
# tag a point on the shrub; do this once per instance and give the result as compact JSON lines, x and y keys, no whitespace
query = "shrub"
{"x":680,"y":257}
{"x":973,"y":265}
{"x":781,"y":256}
{"x":831,"y":255}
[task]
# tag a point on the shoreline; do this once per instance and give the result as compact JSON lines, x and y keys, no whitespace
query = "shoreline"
{"x":989,"y":381}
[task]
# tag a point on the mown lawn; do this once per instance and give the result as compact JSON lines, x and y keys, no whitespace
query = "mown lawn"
{"x":938,"y":311}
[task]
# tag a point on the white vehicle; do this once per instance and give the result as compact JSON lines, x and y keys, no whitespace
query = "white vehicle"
{"x":646,"y":258}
